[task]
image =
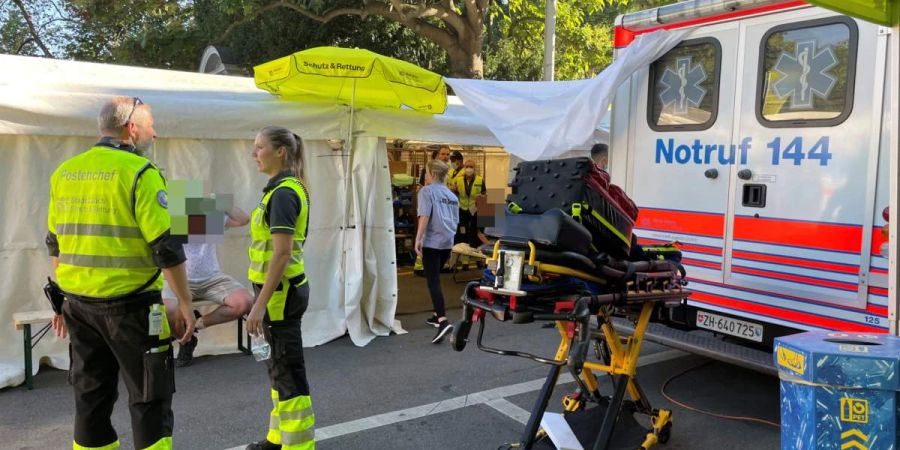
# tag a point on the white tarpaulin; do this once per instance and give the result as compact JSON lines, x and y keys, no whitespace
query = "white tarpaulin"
{"x":544,"y":119}
{"x":207,"y":123}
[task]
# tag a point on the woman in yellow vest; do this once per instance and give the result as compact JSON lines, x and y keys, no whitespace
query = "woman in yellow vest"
{"x":469,"y":187}
{"x":277,"y":230}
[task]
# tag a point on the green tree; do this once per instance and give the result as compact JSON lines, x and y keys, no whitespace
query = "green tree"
{"x":584,"y":32}
{"x":31,"y":27}
{"x":455,"y":26}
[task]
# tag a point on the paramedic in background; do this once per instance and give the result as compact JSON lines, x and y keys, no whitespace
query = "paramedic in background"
{"x":442,"y":154}
{"x":207,"y":282}
{"x":456,"y":170}
{"x":600,"y":155}
{"x":438,"y":211}
{"x":109,"y":240}
{"x":469,"y":188}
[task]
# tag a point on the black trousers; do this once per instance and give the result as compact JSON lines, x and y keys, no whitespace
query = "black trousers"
{"x":287,"y":369}
{"x":432,"y":261}
{"x":109,"y":337}
{"x":468,"y":228}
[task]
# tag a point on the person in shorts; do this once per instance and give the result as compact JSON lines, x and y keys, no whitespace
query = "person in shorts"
{"x":207,"y":282}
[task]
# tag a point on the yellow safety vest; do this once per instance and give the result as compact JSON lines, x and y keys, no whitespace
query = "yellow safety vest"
{"x":261,"y":236}
{"x":454,"y":176}
{"x":466,"y":201}
{"x":106,"y":205}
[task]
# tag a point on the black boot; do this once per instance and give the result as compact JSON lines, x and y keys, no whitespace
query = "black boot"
{"x":263,"y":445}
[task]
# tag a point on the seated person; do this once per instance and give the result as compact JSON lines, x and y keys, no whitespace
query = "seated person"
{"x":600,"y":155}
{"x":207,"y":282}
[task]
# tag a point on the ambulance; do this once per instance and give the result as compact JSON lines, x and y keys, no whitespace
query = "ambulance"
{"x":761,"y":144}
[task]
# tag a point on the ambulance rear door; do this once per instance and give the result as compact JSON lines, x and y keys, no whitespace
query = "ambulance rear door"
{"x":680,"y":130}
{"x":801,"y":204}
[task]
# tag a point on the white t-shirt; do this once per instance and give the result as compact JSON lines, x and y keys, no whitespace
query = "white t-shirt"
{"x":202,"y":262}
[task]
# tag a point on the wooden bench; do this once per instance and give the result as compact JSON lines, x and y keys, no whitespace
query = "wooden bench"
{"x":24,"y":320}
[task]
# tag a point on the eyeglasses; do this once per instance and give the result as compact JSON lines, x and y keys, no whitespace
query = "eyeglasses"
{"x":134,"y":106}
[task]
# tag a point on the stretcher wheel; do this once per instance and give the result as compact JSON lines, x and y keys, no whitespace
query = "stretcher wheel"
{"x":459,"y":337}
{"x":665,"y":433}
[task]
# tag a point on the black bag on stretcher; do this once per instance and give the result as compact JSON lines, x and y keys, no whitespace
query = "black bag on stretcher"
{"x":581,"y":189}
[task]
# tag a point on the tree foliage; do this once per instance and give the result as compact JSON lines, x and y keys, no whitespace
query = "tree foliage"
{"x":31,"y":27}
{"x":451,"y":37}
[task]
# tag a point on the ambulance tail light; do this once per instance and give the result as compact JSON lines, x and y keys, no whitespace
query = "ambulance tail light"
{"x":622,"y":37}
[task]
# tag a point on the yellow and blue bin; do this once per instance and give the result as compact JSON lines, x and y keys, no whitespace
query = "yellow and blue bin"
{"x":838,"y":390}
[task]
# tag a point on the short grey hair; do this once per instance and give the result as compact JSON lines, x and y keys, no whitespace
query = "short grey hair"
{"x":438,"y":169}
{"x":114,"y":114}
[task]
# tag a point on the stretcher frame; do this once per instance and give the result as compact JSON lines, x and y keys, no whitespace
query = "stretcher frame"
{"x":620,"y":354}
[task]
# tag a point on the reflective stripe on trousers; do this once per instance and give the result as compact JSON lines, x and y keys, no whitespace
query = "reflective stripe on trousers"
{"x":112,"y":446}
{"x":292,"y":423}
{"x":162,"y":444}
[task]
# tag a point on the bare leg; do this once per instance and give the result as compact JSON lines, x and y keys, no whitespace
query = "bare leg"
{"x":171,"y":310}
{"x":235,"y":305}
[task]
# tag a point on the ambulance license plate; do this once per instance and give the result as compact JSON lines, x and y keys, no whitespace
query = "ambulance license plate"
{"x":727,"y":325}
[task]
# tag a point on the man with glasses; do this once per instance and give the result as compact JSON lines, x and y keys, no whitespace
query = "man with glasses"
{"x":109,"y":241}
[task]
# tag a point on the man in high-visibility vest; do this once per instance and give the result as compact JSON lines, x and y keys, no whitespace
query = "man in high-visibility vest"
{"x":469,"y":187}
{"x":109,"y":241}
{"x":456,"y":170}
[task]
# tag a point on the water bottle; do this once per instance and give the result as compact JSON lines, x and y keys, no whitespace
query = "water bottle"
{"x":260,"y":347}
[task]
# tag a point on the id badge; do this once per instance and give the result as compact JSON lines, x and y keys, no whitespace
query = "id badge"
{"x":156,"y":320}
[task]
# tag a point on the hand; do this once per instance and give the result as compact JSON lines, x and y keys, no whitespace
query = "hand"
{"x":418,"y":247}
{"x":184,"y":320}
{"x":255,"y":318}
{"x":59,"y":326}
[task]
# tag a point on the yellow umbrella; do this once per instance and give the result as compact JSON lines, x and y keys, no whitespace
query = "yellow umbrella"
{"x":356,"y":77}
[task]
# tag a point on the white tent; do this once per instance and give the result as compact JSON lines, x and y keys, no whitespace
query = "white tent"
{"x":206,"y":125}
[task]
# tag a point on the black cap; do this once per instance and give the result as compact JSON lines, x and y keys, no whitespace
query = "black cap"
{"x":599,"y":149}
{"x":456,"y":156}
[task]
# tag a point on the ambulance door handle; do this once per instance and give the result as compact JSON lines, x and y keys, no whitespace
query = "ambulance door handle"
{"x":712,"y":174}
{"x":745,"y":174}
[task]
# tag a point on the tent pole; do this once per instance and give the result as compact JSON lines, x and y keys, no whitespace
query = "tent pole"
{"x":894,"y":222}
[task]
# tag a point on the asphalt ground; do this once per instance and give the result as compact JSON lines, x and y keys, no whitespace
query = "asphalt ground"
{"x":402,"y":392}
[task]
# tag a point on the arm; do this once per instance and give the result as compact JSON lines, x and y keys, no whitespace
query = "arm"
{"x":420,"y":233}
{"x":154,"y":221}
{"x":424,"y":212}
{"x":236,"y":218}
{"x":57,"y":322}
{"x":176,"y":276}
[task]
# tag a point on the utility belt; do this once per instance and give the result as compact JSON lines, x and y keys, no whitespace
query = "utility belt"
{"x":295,"y":281}
{"x":134,"y":301}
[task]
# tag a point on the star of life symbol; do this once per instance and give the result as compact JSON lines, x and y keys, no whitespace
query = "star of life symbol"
{"x":682,"y":86}
{"x":805,"y":74}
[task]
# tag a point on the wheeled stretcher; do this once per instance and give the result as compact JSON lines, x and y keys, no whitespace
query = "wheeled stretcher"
{"x":551,"y":280}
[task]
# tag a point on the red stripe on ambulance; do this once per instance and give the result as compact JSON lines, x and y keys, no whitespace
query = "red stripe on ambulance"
{"x":805,"y":263}
{"x":702,"y":224}
{"x":815,"y":235}
{"x":783,"y":314}
{"x":795,"y":278}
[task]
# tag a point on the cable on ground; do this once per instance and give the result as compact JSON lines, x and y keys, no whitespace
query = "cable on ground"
{"x":662,"y":390}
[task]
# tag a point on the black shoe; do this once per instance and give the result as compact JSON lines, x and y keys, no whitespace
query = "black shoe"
{"x":444,"y":327}
{"x":186,"y":353}
{"x":263,"y":445}
{"x":433,"y":321}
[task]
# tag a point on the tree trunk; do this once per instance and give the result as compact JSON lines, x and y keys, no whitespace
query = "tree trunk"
{"x":466,"y":60}
{"x":465,"y":65}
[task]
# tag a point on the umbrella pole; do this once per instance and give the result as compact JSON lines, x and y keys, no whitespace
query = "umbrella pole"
{"x":349,"y":169}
